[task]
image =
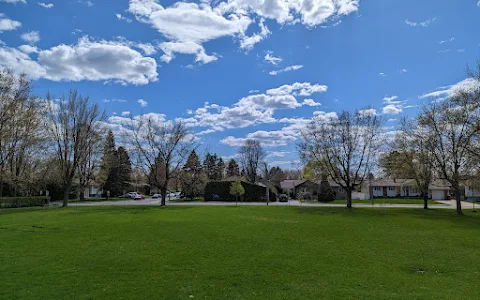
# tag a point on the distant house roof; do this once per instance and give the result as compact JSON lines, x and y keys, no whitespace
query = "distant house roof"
{"x":291,"y":184}
{"x":234,"y":178}
{"x":435,"y":185}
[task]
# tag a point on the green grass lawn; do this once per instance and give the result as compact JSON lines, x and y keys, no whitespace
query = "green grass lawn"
{"x":389,"y":201}
{"x":100,"y":199}
{"x":238,"y":253}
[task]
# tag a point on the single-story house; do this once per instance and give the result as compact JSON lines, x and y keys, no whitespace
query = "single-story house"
{"x":438,"y":190}
{"x":294,"y":187}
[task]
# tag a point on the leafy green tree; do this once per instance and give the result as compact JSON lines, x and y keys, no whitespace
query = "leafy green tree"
{"x":220,"y":168}
{"x":237,"y":190}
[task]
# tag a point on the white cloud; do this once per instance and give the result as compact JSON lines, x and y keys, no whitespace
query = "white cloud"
{"x":142,"y":102}
{"x":211,"y":20}
{"x":277,"y":153}
{"x":311,"y":102}
{"x":125,"y":113}
{"x":248,"y":42}
{"x":8,"y":24}
{"x":31,"y":37}
{"x":420,"y":24}
{"x":87,"y":60}
{"x":403,"y":70}
{"x":390,"y":99}
{"x":287,"y":69}
{"x":367,"y":112}
{"x":28,"y":49}
{"x":272,"y":59}
{"x":147,"y":48}
{"x":46,"y":5}
{"x":87,"y":3}
{"x":254,"y":108}
{"x":302,"y":89}
{"x":478,"y":4}
{"x":21,"y":63}
{"x":123,"y":18}
{"x":468,"y":84}
{"x":392,"y":109}
{"x":170,"y":48}
{"x":447,"y":40}
{"x":444,"y":51}
{"x":382,"y":74}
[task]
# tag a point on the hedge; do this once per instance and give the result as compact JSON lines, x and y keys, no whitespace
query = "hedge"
{"x":253,"y":192}
{"x":9,"y":202}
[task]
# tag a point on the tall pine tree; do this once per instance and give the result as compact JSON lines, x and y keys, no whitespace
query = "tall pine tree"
{"x":233,"y":168}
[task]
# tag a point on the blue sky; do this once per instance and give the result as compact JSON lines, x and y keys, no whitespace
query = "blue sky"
{"x":218,"y":65}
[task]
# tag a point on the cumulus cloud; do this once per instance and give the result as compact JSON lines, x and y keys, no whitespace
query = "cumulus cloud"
{"x":287,"y":69}
{"x":170,"y":48}
{"x":125,"y":113}
{"x":31,"y":37}
{"x":392,"y":109}
{"x":46,"y":5}
{"x":382,"y":74}
{"x":212,"y":20}
{"x":142,"y":102}
{"x":147,"y":48}
{"x":272,"y":59}
{"x":425,"y":23}
{"x":87,"y":60}
{"x":277,"y":153}
{"x":253,"y":109}
{"x":8,"y":24}
{"x":367,"y":112}
{"x":28,"y":49}
{"x":468,"y":84}
{"x":311,"y":102}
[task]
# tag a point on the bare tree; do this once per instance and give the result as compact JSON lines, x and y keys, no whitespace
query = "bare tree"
{"x":72,"y":124}
{"x":418,"y":161}
{"x":454,"y":128}
{"x":250,"y":156}
{"x":90,"y":164}
{"x":162,"y":149}
{"x":345,"y":146}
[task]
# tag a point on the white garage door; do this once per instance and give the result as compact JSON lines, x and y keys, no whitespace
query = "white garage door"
{"x":438,"y":195}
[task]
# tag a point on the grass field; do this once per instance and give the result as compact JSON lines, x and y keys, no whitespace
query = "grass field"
{"x":238,"y":253}
{"x":389,"y":201}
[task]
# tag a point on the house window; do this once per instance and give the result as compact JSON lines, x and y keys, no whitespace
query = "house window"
{"x":377,"y":188}
{"x":391,"y":188}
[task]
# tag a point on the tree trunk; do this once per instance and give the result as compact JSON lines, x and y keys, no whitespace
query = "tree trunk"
{"x":1,"y":187}
{"x":82,"y":194}
{"x":66,"y":194}
{"x":425,"y":200}
{"x":458,"y":198}
{"x":164,"y":196}
{"x":349,"y":198}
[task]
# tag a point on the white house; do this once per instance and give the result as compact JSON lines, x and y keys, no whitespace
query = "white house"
{"x":438,"y":190}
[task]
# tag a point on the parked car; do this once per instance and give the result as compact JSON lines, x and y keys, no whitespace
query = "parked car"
{"x":283,"y":198}
{"x":156,"y":196}
{"x":138,"y":197}
{"x":133,"y":195}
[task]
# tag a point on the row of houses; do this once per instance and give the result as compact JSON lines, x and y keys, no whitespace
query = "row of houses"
{"x":380,"y":188}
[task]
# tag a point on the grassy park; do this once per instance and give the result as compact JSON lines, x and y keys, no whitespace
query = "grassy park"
{"x":238,"y":253}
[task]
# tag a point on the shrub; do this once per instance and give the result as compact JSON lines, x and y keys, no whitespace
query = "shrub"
{"x":220,"y":191}
{"x":304,"y":196}
{"x":10,"y":202}
{"x":326,"y":193}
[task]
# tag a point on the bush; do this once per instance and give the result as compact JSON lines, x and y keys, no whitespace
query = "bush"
{"x":10,"y":202}
{"x":304,"y":196}
{"x":326,"y":193}
{"x":220,"y":191}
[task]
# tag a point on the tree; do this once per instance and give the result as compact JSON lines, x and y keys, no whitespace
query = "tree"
{"x":162,"y":148}
{"x":70,"y":124}
{"x":250,"y":154}
{"x":232,"y":168}
{"x":237,"y":190}
{"x":453,"y":126}
{"x":193,"y":179}
{"x":107,"y":162}
{"x":344,"y":146}
{"x":87,"y":168}
{"x":124,"y":169}
{"x":220,"y":169}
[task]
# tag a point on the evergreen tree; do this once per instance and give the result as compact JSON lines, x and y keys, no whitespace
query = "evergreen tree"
{"x":124,"y":169}
{"x":107,"y":162}
{"x":193,"y":179}
{"x":220,"y":169}
{"x":232,"y":168}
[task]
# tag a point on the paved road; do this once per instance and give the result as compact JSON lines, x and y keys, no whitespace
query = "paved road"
{"x":444,"y":205}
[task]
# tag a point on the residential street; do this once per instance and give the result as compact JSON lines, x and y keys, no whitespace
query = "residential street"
{"x":450,"y":204}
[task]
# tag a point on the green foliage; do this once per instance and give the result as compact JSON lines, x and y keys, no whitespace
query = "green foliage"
{"x":11,"y":202}
{"x":253,"y":192}
{"x":193,"y":179}
{"x":236,"y":188}
{"x":213,"y":166}
{"x":233,"y":168}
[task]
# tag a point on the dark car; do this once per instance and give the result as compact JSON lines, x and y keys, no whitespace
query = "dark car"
{"x":282,"y":198}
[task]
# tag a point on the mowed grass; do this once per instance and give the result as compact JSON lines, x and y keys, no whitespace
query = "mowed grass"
{"x":238,"y":253}
{"x":389,"y":201}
